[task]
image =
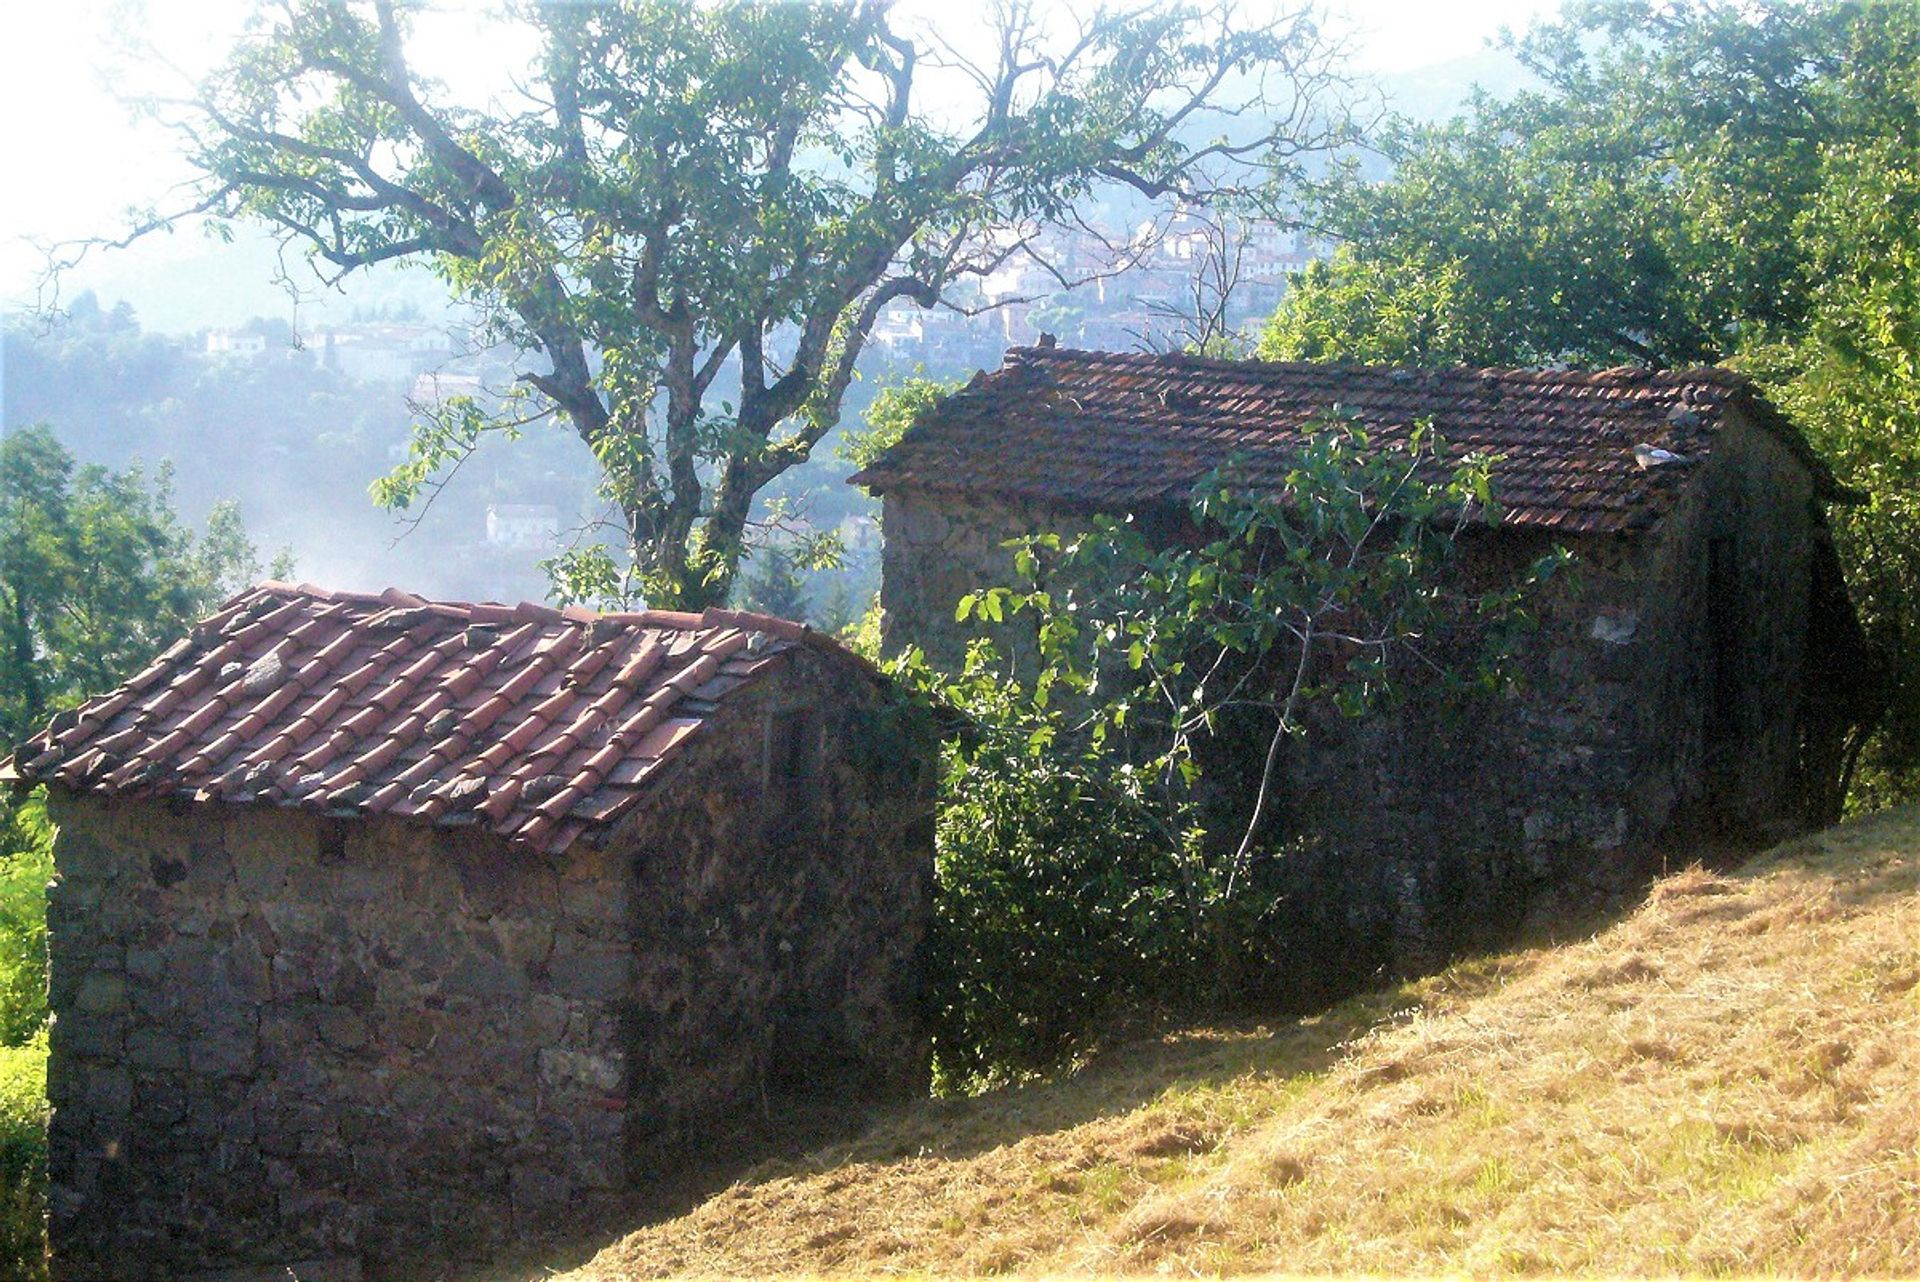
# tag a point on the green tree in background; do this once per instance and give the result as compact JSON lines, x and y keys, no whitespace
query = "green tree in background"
{"x":97,"y":574}
{"x":1646,"y":204}
{"x":695,"y":214}
{"x":773,"y":586}
{"x":1692,"y":183}
{"x":893,"y":411}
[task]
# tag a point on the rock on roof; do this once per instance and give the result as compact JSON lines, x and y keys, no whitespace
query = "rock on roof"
{"x":1112,"y":431}
{"x":538,"y":723}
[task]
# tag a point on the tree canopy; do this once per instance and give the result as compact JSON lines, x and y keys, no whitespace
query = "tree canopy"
{"x":97,"y":573}
{"x":1648,"y":203}
{"x":693,"y":215}
{"x":1692,"y":182}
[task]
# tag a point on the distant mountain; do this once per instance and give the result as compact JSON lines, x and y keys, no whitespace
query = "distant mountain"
{"x":184,"y":282}
{"x":1438,"y":92}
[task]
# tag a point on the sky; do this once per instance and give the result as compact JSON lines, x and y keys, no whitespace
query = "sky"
{"x":75,"y":163}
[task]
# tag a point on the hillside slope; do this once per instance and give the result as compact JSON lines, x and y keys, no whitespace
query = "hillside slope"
{"x":1728,"y":1080}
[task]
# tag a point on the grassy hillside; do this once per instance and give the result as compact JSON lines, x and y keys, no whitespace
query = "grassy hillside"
{"x":1726,"y":1081}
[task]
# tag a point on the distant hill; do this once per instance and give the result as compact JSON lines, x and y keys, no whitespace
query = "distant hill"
{"x":1440,"y":91}
{"x":184,"y":282}
{"x":1725,"y":1081}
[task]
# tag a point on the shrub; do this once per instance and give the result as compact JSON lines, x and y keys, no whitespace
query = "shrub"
{"x":23,"y":1159}
{"x":26,"y":865}
{"x":1062,"y":901}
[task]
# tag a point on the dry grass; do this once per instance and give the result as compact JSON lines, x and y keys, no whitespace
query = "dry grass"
{"x":1725,"y":1082}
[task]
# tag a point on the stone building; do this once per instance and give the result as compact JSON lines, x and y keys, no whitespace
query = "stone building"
{"x":1693,"y":687}
{"x":387,"y":933}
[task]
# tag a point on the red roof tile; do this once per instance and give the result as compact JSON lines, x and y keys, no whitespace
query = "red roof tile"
{"x":1115,"y":431}
{"x":539,"y":723}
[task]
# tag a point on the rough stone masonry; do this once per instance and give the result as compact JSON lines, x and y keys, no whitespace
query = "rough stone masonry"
{"x":363,"y":1045}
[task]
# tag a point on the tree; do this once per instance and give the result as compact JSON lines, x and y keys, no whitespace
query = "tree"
{"x":96,"y":575}
{"x":1200,"y":319}
{"x":772,"y":586}
{"x":1852,"y":377}
{"x":1644,"y":205}
{"x":686,"y":194}
{"x":894,"y":409}
{"x":1693,"y":182}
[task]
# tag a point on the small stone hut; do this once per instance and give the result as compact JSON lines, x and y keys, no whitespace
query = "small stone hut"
{"x":1693,"y":687}
{"x":389,"y":932}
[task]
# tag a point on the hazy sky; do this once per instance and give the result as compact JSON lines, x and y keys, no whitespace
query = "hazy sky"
{"x":74,"y":162}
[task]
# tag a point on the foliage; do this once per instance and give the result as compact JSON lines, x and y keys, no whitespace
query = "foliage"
{"x":23,"y":1159}
{"x":1302,"y":600}
{"x":686,"y":193}
{"x":1065,"y":900}
{"x":1852,"y":378}
{"x":26,"y":866}
{"x":1617,"y":213}
{"x":843,"y":611}
{"x":862,"y":635}
{"x":1084,"y":870}
{"x":1621,"y":213}
{"x":96,"y":574}
{"x":772,"y":587}
{"x":1351,"y":308}
{"x":896,"y":408}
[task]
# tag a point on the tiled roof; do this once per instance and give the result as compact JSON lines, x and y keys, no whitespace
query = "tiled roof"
{"x":538,"y":723}
{"x":1110,"y":431}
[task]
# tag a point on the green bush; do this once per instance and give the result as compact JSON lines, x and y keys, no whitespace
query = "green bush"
{"x":23,"y":1159}
{"x":1062,"y":903}
{"x":26,"y":865}
{"x":1086,"y":872}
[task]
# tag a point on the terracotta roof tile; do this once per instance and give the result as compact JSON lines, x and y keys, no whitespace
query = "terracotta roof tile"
{"x":542,"y":723}
{"x":1116,"y":431}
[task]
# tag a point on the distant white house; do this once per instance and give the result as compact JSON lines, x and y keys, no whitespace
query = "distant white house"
{"x":233,"y":342}
{"x":899,"y":325}
{"x":523,"y":525}
{"x":381,"y":352}
{"x":859,"y":534}
{"x":432,"y":388}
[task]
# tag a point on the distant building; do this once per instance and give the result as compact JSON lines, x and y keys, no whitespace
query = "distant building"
{"x":902,"y":325}
{"x":382,"y":353}
{"x":523,"y":525}
{"x":434,"y":387}
{"x":234,"y":342}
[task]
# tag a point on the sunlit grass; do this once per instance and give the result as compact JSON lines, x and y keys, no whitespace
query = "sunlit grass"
{"x":1722,"y":1083}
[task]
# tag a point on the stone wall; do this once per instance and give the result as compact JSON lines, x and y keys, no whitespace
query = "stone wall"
{"x":782,"y":906}
{"x":938,"y":548}
{"x":1658,"y":707}
{"x":373,"y":1049}
{"x":287,"y":1040}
